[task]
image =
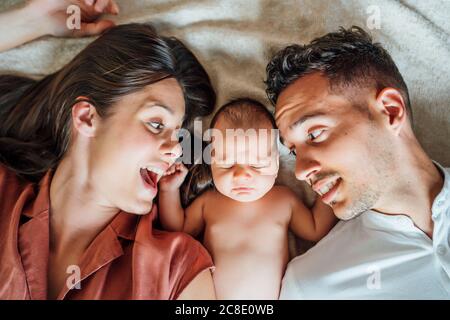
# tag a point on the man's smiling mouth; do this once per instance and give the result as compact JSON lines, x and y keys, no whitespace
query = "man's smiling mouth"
{"x":327,"y":188}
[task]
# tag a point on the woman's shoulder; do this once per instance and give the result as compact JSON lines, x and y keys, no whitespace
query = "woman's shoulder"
{"x":6,"y":173}
{"x":15,"y":196}
{"x":177,"y":246}
{"x":11,"y":186}
{"x":180,"y":258}
{"x":182,"y":245}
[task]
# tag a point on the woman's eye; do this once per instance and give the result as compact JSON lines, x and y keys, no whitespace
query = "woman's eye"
{"x":156,"y":125}
{"x":315,"y":134}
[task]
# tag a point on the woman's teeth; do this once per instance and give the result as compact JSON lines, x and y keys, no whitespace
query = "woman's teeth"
{"x":327,"y":187}
{"x":156,"y":170}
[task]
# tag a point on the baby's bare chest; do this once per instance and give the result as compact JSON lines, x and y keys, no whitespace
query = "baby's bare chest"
{"x":245,"y":231}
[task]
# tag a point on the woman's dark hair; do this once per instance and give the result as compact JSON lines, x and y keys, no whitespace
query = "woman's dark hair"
{"x":241,"y":113}
{"x":35,"y":116}
{"x":348,"y":58}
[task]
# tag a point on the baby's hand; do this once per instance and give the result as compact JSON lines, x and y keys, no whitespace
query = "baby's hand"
{"x":173,"y":178}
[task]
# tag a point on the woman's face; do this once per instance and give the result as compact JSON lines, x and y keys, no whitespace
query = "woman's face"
{"x":135,"y":144}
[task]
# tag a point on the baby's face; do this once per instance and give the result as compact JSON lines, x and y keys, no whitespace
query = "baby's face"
{"x":244,"y":162}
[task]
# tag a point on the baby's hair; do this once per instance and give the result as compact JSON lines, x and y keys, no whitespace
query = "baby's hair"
{"x":243,"y":113}
{"x":239,"y":113}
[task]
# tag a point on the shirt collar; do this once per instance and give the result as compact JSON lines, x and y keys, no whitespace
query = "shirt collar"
{"x":42,"y":201}
{"x":403,"y":222}
{"x":442,"y":200}
{"x":124,"y":224}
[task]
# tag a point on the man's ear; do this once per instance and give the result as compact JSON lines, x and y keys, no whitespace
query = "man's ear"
{"x":84,"y":117}
{"x":392,"y":108}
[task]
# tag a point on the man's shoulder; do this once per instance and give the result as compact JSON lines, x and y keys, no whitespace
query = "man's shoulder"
{"x":332,"y":240}
{"x":322,"y":258}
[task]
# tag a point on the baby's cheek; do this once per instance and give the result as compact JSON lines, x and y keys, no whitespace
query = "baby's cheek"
{"x":218,"y":180}
{"x":266,"y":182}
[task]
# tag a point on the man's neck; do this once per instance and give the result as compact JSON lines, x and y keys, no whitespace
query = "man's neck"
{"x":417,"y":183}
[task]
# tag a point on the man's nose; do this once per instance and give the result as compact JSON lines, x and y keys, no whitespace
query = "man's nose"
{"x":241,"y":172}
{"x":306,"y":168}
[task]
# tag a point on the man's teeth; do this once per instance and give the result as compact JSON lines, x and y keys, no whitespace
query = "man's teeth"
{"x":327,"y":187}
{"x":156,"y":170}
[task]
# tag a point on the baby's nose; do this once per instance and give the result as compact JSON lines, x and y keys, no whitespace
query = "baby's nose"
{"x":241,"y":172}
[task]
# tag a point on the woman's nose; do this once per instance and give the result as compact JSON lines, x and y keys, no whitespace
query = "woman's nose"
{"x":171,"y":150}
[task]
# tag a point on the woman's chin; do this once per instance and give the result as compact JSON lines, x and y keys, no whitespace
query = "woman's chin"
{"x":141,"y":207}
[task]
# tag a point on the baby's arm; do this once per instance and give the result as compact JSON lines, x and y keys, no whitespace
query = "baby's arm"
{"x":38,"y":18}
{"x":311,"y":224}
{"x":172,"y":215}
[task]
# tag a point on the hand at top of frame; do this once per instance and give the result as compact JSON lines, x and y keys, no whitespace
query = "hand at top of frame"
{"x":55,"y":16}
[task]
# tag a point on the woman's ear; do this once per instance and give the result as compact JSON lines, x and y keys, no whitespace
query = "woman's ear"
{"x":392,"y":108}
{"x":84,"y":117}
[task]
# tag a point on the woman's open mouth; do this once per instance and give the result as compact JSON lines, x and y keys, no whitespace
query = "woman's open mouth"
{"x":150,"y":179}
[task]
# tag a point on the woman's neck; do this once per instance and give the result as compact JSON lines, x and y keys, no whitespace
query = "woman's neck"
{"x":77,"y":215}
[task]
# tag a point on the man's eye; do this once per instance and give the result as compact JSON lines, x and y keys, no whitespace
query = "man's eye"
{"x":315,"y":134}
{"x":156,"y":125}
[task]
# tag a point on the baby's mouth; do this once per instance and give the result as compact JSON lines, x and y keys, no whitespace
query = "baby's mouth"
{"x":243,"y":189}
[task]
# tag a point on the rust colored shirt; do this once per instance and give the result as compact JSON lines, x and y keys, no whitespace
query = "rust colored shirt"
{"x":129,"y":259}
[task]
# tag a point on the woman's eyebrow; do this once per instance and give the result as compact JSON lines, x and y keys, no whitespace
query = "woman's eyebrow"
{"x":160,"y":105}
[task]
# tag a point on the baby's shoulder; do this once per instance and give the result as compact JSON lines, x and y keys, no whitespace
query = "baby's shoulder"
{"x":207,"y":195}
{"x":207,"y":199}
{"x":283,"y":192}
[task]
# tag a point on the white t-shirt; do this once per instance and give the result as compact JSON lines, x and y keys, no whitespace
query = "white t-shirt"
{"x":377,"y":256}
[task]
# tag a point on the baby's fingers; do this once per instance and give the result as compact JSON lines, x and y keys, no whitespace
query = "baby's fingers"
{"x":181,"y":167}
{"x":170,"y":170}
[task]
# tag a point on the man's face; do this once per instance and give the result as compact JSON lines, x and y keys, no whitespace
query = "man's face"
{"x":340,"y":151}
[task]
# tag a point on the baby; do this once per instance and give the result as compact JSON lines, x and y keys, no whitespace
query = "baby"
{"x":245,"y":218}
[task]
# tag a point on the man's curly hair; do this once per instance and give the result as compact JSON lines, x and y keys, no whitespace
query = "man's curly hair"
{"x":348,"y":58}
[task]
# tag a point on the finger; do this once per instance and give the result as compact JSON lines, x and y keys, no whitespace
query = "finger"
{"x":113,"y":8}
{"x":106,"y":6}
{"x":100,"y":5}
{"x":182,"y":168}
{"x":89,"y":2}
{"x":94,"y":28}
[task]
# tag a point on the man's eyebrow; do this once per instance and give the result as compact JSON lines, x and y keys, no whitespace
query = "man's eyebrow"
{"x":301,"y":121}
{"x":305,"y":118}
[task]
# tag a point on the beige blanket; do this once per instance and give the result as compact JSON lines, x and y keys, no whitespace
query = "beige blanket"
{"x":235,"y":38}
